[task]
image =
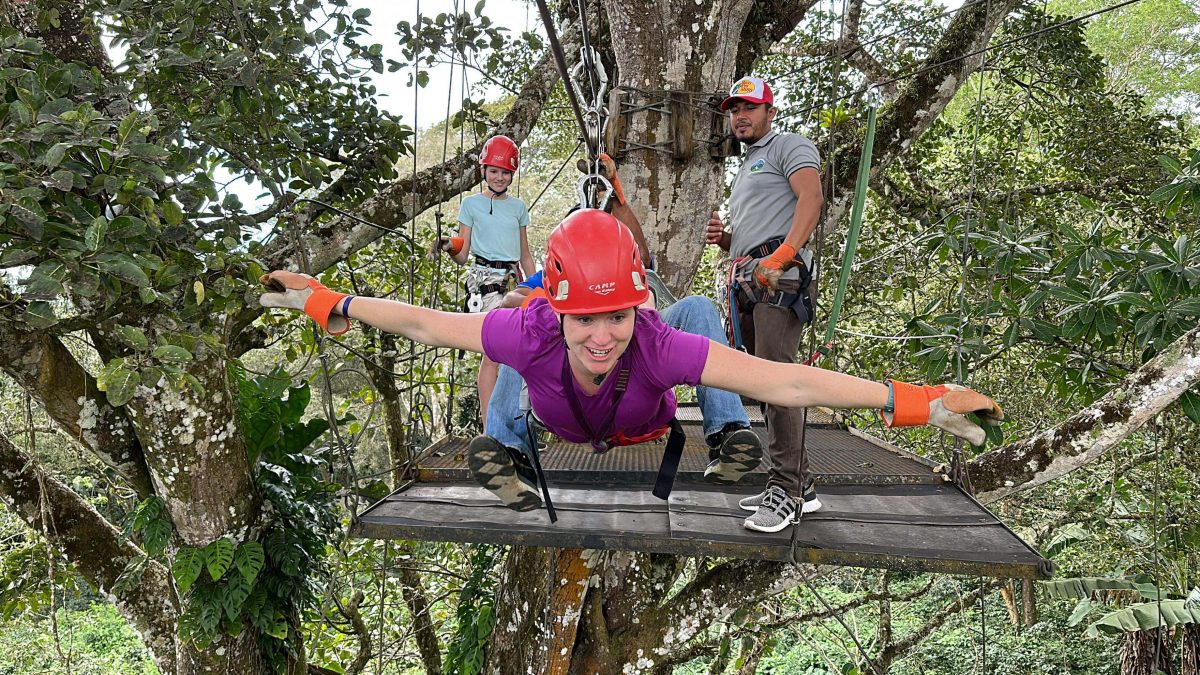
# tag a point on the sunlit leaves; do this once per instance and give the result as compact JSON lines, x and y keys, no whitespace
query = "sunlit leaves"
{"x":118,"y":380}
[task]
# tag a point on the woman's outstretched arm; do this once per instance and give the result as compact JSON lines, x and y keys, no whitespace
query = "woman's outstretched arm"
{"x":428,"y":326}
{"x":797,"y":386}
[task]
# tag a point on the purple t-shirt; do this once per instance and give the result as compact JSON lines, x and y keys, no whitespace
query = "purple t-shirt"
{"x":659,"y":358}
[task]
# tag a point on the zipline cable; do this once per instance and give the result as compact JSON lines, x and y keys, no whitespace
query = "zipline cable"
{"x":961,"y":57}
{"x":879,"y":38}
{"x":560,"y":61}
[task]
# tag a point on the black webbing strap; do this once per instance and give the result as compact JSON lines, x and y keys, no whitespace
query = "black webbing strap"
{"x":597,"y":436}
{"x":670,"y":461}
{"x":533,"y":452}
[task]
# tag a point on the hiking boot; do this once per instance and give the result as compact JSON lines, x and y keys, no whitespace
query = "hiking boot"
{"x":777,"y":511}
{"x":506,"y":472}
{"x":739,"y":452}
{"x":811,"y":501}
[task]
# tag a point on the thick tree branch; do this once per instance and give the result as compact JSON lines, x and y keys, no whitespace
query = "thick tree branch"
{"x":769,"y":22}
{"x":922,"y":98}
{"x":97,"y":548}
{"x":397,"y":203}
{"x":1093,"y":431}
{"x":41,"y":365}
{"x":898,"y":649}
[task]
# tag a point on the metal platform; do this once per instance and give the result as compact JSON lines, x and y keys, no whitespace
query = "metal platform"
{"x":882,"y":508}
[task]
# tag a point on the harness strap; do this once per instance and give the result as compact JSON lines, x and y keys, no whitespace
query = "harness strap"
{"x":532,"y":451}
{"x":598,"y":437}
{"x":670,"y":461}
{"x":510,"y":265}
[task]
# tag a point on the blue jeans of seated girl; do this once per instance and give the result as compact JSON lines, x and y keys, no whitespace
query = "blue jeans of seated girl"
{"x":694,"y":314}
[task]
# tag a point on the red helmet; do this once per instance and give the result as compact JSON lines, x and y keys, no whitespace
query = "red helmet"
{"x":500,"y":152}
{"x":593,"y":265}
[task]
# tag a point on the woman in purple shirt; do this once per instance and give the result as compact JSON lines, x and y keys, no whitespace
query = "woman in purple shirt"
{"x":592,"y":325}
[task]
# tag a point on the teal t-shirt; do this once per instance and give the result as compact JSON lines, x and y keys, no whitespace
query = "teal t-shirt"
{"x":495,"y":235}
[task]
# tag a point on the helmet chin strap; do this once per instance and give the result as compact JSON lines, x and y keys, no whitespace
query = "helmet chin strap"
{"x":495,"y":194}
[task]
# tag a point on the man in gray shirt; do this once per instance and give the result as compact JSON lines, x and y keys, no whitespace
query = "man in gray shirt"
{"x":773,"y":209}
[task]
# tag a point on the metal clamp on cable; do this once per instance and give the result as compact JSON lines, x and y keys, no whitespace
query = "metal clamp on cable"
{"x":587,"y":199}
{"x":595,"y":113}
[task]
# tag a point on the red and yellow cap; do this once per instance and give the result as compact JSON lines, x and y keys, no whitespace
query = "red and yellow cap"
{"x":752,"y":89}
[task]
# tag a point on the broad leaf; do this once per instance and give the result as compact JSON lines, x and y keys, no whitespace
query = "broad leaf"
{"x":218,"y":556}
{"x":249,"y":560}
{"x":1145,"y":616}
{"x":234,"y":596}
{"x":186,"y":568}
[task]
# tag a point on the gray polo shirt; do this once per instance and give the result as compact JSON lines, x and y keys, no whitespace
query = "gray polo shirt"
{"x":761,"y":203}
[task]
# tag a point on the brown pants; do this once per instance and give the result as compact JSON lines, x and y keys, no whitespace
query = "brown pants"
{"x":773,"y":333}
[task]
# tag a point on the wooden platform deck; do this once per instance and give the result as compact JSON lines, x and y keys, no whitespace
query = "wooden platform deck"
{"x":882,"y":508}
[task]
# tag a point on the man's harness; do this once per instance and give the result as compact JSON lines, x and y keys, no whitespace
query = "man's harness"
{"x":745,"y":292}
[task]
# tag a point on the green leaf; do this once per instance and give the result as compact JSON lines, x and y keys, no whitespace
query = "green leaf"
{"x":1190,"y":402}
{"x":277,"y":627}
{"x":39,"y":314}
{"x":1085,"y":587}
{"x":172,"y":354}
{"x":186,"y":568}
{"x":249,"y":560}
{"x":218,"y":556}
{"x":234,"y":596}
{"x":133,"y":336}
{"x":54,"y":156}
{"x":125,"y":269}
{"x":126,"y":227}
{"x":119,"y":382}
{"x":1145,"y":616}
{"x":172,"y":212}
{"x":147,"y":151}
{"x":1170,"y":164}
{"x":155,"y":536}
{"x":1082,"y":609}
{"x":94,"y":236}
{"x":63,"y":179}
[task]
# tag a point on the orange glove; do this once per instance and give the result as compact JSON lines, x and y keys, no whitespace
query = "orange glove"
{"x":451,"y":245}
{"x":943,"y":407}
{"x":300,"y":291}
{"x":608,"y":169}
{"x":771,"y":268}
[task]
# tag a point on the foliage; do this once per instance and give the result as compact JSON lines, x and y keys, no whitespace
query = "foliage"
{"x":1148,"y":46}
{"x":475,"y":615}
{"x":262,"y":583}
{"x":93,"y":636}
{"x":1183,"y":192}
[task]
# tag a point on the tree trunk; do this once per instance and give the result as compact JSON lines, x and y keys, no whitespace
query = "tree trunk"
{"x":669,"y":49}
{"x":1190,"y":649}
{"x":1146,"y":652}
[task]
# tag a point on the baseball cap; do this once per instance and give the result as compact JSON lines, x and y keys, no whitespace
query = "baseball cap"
{"x":752,"y":89}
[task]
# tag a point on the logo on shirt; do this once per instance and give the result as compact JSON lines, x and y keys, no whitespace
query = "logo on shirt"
{"x":603,"y":289}
{"x":758,"y":166}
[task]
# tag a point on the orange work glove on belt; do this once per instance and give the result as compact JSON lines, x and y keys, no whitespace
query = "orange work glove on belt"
{"x":771,"y":268}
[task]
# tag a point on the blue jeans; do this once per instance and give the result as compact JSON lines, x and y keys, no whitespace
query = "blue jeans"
{"x":693,"y":314}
